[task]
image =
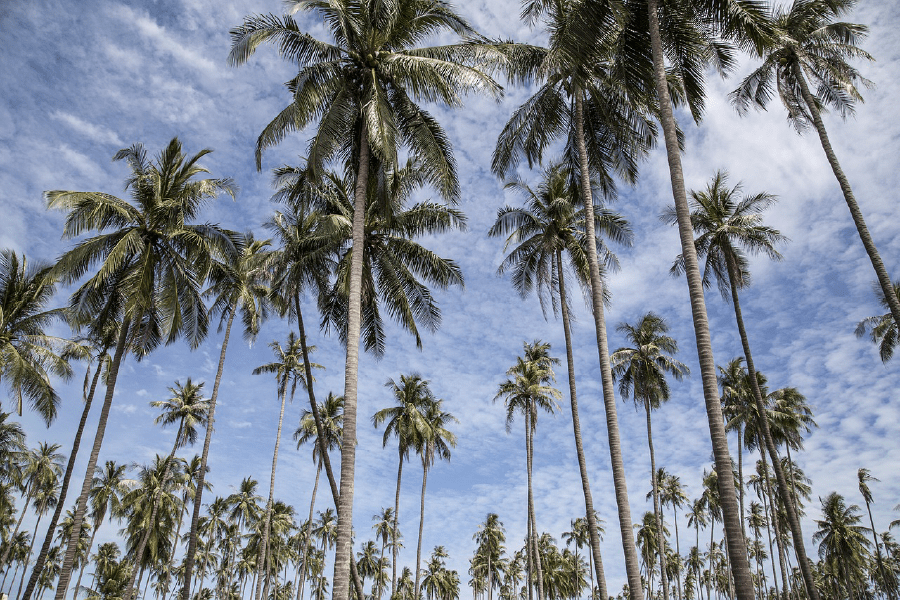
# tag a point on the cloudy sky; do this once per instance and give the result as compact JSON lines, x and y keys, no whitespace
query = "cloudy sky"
{"x":81,"y":83}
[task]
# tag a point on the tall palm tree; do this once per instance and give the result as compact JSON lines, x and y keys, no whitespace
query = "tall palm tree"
{"x":363,"y":88}
{"x":809,"y":44}
{"x":287,"y":369}
{"x":331,"y":413}
{"x":407,"y":423}
{"x":864,"y":477}
{"x":605,"y":132}
{"x":671,"y":493}
{"x":641,"y":371}
{"x":435,"y":444}
{"x":881,"y":328}
{"x":489,"y":539}
{"x":541,"y":231}
{"x":736,"y":403}
{"x":190,"y":410}
{"x":28,"y":355}
{"x":152,"y":264}
{"x":384,"y":530}
{"x":842,"y":542}
{"x":526,"y":390}
{"x":238,"y":285}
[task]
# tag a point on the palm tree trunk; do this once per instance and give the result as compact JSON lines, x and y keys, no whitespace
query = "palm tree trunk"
{"x":887,"y":587}
{"x":774,"y":506}
{"x":529,"y":554}
{"x":661,"y":539}
{"x":529,"y":449}
{"x":312,"y":503}
{"x":741,"y":478}
{"x":268,"y":520}
{"x":880,"y":271}
{"x":421,"y":527}
{"x":15,"y":532}
{"x":131,"y":589}
{"x":632,"y":565}
{"x":771,"y":546}
{"x":65,"y":572}
{"x":37,"y":524}
{"x":579,"y":447}
{"x":394,"y":532}
{"x":60,"y":503}
{"x":731,"y":518}
{"x":343,"y":548}
{"x":204,"y":457}
{"x":783,"y":489}
{"x":320,"y":436}
{"x":84,"y":564}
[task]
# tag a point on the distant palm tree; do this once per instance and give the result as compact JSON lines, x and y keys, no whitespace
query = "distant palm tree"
{"x":671,"y":493}
{"x":384,"y":530}
{"x":842,"y":543}
{"x":489,"y":539}
{"x":641,"y":371}
{"x":882,"y":328}
{"x":864,"y":477}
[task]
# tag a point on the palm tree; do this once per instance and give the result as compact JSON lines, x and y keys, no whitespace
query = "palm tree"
{"x":604,"y":132}
{"x":190,"y":410}
{"x":436,"y":443}
{"x":641,"y":371}
{"x":363,"y":90}
{"x":736,"y":408}
{"x":28,"y":355}
{"x":864,"y":477}
{"x":490,"y":538}
{"x":546,"y":226}
{"x":152,"y":264}
{"x":526,"y":390}
{"x":882,"y":328}
{"x":842,"y":542}
{"x":809,"y":44}
{"x":287,"y":370}
{"x":384,"y":530}
{"x":407,"y":423}
{"x":238,"y":286}
{"x":672,"y":493}
{"x":331,"y":414}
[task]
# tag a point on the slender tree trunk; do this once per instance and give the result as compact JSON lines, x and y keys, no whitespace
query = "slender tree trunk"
{"x":887,"y":588}
{"x":87,"y":555}
{"x":204,"y":457}
{"x":774,"y":505}
{"x":312,"y":503}
{"x":579,"y":447}
{"x":783,"y":489}
{"x":421,"y":527}
{"x":677,"y":549}
{"x":529,"y":443}
{"x":529,"y":550}
{"x":30,"y":550}
{"x":320,"y":436}
{"x":741,"y":478}
{"x":65,"y":572}
{"x":60,"y":503}
{"x":343,"y":549}
{"x":661,"y":539}
{"x":15,"y":532}
{"x":771,"y":546}
{"x":632,"y":565}
{"x":394,"y":533}
{"x":880,"y":271}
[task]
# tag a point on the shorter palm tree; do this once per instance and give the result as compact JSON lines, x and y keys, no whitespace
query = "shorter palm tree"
{"x":843,"y":545}
{"x":881,"y":328}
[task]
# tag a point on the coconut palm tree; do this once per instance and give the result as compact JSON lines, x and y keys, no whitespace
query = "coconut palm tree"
{"x":810,"y":45}
{"x":526,"y":390}
{"x":28,"y":355}
{"x":436,"y":443}
{"x":547,"y":225}
{"x":671,"y":493}
{"x":152,"y":260}
{"x":641,"y":371}
{"x":363,"y":89}
{"x":882,"y":328}
{"x":407,"y":423}
{"x":238,"y":285}
{"x":384,"y":530}
{"x":489,"y":539}
{"x":842,"y":543}
{"x":864,"y":477}
{"x":287,"y":369}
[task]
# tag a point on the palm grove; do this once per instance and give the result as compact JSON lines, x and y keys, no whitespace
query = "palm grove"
{"x":348,"y":233}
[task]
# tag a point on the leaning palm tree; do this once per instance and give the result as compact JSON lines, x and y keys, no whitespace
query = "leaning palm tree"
{"x":152,"y":261}
{"x":363,"y":88}
{"x":190,"y":410}
{"x":811,"y":45}
{"x":547,"y":226}
{"x":881,"y":328}
{"x":641,"y":371}
{"x":238,"y":285}
{"x":526,"y":390}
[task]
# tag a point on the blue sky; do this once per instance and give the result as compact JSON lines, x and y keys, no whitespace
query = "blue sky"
{"x":79,"y":84}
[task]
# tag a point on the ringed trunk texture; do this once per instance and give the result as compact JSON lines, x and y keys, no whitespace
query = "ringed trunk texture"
{"x":661,"y":539}
{"x":881,"y":273}
{"x":204,"y":457}
{"x":774,"y":506}
{"x":529,"y":449}
{"x":65,"y":573}
{"x":783,"y":489}
{"x":343,"y":548}
{"x":264,"y":550}
{"x":737,"y":546}
{"x":632,"y":565}
{"x":60,"y":503}
{"x":394,"y":531}
{"x":579,"y":447}
{"x":421,"y":527}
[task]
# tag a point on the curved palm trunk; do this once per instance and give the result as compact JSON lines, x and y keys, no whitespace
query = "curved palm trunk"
{"x":880,"y":271}
{"x":304,"y":555}
{"x":529,"y":453}
{"x":421,"y":527}
{"x":84,"y":564}
{"x":632,"y":565}
{"x":60,"y":503}
{"x":579,"y":447}
{"x":264,"y":543}
{"x":65,"y":572}
{"x":394,"y":545}
{"x":661,"y":539}
{"x":131,"y":589}
{"x":741,"y":478}
{"x":343,"y":547}
{"x":737,"y":546}
{"x":195,"y":515}
{"x":320,"y":435}
{"x":783,"y":489}
{"x":765,"y":502}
